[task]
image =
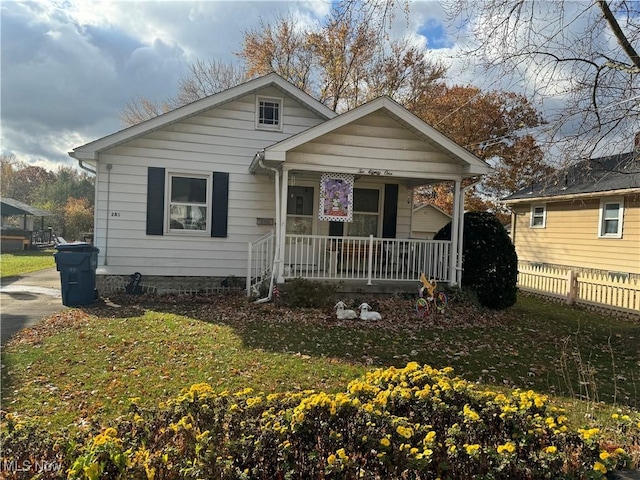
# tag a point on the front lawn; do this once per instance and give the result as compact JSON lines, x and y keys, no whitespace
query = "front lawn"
{"x":128,"y":364}
{"x":16,"y":263}
{"x":85,"y":364}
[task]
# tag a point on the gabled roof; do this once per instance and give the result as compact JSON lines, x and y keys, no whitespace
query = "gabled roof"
{"x":415,"y":124}
{"x":9,"y":206}
{"x":597,"y":176}
{"x":432,"y":207}
{"x":90,"y":150}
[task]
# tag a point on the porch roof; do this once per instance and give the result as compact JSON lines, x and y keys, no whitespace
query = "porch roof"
{"x":344,"y":144}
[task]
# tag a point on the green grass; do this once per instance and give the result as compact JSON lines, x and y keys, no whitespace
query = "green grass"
{"x":78,"y":366}
{"x":16,"y":263}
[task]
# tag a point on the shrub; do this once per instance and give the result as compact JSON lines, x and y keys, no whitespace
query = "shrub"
{"x":303,"y":293}
{"x":414,"y":422}
{"x":489,"y":260}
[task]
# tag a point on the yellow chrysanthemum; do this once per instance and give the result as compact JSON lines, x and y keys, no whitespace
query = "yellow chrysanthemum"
{"x":472,"y":449}
{"x":599,"y":467}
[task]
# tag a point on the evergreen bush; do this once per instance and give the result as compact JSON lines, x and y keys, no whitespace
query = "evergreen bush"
{"x":489,"y":260}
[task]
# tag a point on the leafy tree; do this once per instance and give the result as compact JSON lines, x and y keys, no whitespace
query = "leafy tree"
{"x":66,"y":183}
{"x":489,"y":260}
{"x":489,"y":125}
{"x":20,"y":180}
{"x":66,"y":193}
{"x":78,"y":217}
{"x":344,"y":62}
{"x":280,"y":47}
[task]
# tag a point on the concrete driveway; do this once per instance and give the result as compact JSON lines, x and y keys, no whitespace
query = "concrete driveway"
{"x":27,"y":299}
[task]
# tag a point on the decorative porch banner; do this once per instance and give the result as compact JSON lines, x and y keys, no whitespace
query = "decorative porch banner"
{"x":336,"y":197}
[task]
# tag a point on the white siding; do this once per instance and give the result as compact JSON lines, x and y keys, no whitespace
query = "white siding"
{"x":223,"y":139}
{"x":379,"y":142}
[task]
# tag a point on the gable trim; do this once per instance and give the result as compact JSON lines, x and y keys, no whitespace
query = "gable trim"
{"x":90,"y":151}
{"x":277,"y":151}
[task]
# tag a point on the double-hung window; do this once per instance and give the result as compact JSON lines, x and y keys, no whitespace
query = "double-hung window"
{"x":366,"y":212}
{"x":300,"y":210}
{"x":269,"y":113}
{"x":538,"y":216}
{"x":611,"y":214}
{"x":189,"y":207}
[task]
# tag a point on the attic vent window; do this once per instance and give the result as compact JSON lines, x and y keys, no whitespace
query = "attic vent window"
{"x":269,"y":113}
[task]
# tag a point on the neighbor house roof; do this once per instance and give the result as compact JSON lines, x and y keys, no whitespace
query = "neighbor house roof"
{"x":90,"y":150}
{"x":9,"y":207}
{"x":430,"y":206}
{"x":443,"y":144}
{"x":615,"y":174}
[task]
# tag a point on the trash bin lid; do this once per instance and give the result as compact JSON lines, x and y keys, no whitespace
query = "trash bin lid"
{"x":76,"y":247}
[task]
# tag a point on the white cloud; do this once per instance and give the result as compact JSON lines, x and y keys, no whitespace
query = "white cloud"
{"x":69,"y":67}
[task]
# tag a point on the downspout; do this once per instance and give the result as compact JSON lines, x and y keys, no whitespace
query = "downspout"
{"x":106,"y":229}
{"x":276,"y":256}
{"x":460,"y":214}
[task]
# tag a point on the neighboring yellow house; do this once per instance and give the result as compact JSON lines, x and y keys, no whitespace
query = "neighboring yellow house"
{"x":587,"y":217}
{"x":427,"y":220}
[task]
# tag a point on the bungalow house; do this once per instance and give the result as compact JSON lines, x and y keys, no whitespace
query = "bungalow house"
{"x":586,"y":217}
{"x":262,"y":182}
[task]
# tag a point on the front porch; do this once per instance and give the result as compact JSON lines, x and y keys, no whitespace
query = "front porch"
{"x":343,"y":198}
{"x":357,"y":260}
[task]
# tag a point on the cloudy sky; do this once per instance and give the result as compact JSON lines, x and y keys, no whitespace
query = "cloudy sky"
{"x":69,"y":67}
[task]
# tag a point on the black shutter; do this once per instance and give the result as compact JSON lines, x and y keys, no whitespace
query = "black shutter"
{"x":390,"y":210}
{"x":336,"y":229}
{"x":155,"y":201}
{"x":220,"y":212}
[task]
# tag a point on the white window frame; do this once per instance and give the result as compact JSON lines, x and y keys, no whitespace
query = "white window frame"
{"x":377,"y":214}
{"x":602,"y":219}
{"x":208,"y":203}
{"x":533,"y":216}
{"x":267,"y":126}
{"x":313,"y":216}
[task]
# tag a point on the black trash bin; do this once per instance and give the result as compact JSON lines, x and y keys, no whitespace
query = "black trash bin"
{"x":77,"y":263}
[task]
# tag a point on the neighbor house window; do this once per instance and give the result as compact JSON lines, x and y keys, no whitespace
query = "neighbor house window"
{"x":366,"y":213}
{"x":269,"y":113}
{"x":189,"y":203}
{"x":300,"y":210}
{"x":611,"y":211}
{"x":538,"y":216}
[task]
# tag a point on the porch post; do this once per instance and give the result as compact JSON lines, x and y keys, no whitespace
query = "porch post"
{"x":455,"y":225}
{"x":282,"y":228}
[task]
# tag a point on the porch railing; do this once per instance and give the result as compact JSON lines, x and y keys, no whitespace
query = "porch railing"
{"x":260,"y":261}
{"x":365,"y":258}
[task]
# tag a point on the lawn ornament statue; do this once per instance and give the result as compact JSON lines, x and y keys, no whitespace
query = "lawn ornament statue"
{"x":342,"y":313}
{"x":428,"y":287}
{"x":367,"y":314}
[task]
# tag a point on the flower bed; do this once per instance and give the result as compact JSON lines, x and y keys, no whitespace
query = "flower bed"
{"x":413,"y":422}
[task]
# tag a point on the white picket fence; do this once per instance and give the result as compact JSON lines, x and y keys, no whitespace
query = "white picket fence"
{"x":603,"y":290}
